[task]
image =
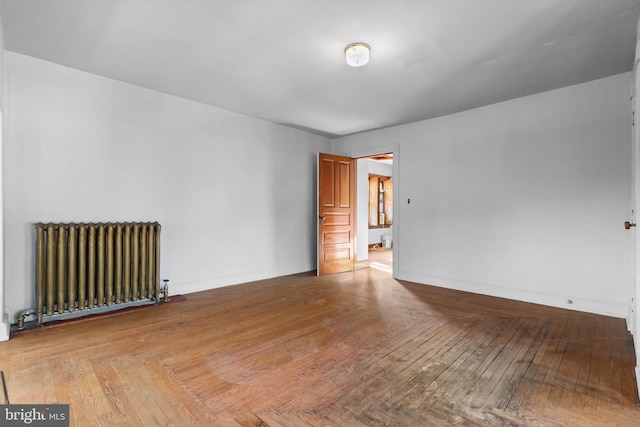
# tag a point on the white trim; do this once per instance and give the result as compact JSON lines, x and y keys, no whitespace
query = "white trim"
{"x":5,"y":329}
{"x":560,"y":301}
{"x":395,"y":149}
{"x":4,"y":325}
{"x":634,"y":314}
{"x":638,"y":377}
{"x":316,"y":216}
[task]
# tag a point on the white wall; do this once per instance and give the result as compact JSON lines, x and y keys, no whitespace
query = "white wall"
{"x":523,"y":199}
{"x":235,"y":196}
{"x":379,"y":168}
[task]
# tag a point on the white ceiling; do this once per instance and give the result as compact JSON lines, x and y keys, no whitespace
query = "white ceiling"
{"x":283,"y":60}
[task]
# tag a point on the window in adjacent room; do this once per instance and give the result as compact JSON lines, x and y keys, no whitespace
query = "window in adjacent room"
{"x":380,"y":201}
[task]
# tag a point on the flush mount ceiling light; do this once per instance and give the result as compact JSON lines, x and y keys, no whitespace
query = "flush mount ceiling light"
{"x":357,"y":54}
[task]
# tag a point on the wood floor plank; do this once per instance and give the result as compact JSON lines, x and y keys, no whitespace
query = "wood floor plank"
{"x":106,"y":370}
{"x":630,"y":397}
{"x":101,"y":404}
{"x":382,"y":375}
{"x":535,"y":372}
{"x":601,"y":367}
{"x":56,"y":368}
{"x":488,"y":346}
{"x":78,"y":411}
{"x":149,"y":405}
{"x":37,"y":375}
{"x":549,"y":383}
{"x":19,"y":381}
{"x":585,"y":359}
{"x":493,"y":367}
{"x":451,"y":381}
{"x":570,"y":367}
{"x":515,"y":375}
{"x":562,"y":366}
{"x":593,"y":380}
{"x":428,"y":361}
{"x":617,"y":401}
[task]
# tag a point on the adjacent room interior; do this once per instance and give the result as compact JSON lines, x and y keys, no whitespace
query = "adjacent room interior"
{"x":491,"y":253}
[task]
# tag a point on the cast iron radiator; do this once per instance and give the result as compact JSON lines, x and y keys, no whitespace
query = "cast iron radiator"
{"x":84,"y":267}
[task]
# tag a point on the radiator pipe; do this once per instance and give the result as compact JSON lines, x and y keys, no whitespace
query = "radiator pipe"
{"x":22,"y":315}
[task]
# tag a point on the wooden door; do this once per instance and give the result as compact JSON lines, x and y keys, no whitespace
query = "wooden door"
{"x":336,"y":214}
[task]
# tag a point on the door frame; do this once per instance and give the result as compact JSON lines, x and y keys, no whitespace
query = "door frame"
{"x":372,"y":151}
{"x":633,"y":317}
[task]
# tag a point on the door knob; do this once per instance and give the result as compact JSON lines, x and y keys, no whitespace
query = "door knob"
{"x":628,"y":225}
{"x":321,"y":218}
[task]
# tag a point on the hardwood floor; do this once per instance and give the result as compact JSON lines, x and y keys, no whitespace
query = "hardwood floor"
{"x":352,"y":349}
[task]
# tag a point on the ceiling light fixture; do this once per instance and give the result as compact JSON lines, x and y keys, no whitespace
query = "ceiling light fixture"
{"x":357,"y":54}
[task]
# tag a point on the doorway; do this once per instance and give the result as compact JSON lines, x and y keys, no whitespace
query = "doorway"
{"x":375,"y":213}
{"x":360,"y":247}
{"x":393,"y":256}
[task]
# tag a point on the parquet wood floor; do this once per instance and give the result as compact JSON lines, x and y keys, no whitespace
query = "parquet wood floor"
{"x":352,"y":349}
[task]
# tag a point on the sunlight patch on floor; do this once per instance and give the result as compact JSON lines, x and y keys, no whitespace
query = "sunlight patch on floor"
{"x":380,"y":266}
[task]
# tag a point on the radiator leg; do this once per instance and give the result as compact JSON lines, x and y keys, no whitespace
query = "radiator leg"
{"x":82,"y":267}
{"x":135,"y":280}
{"x":153,"y":286}
{"x":126,"y":263}
{"x":109,"y":266}
{"x":40,"y":272}
{"x":118,"y":265}
{"x":144,"y":287}
{"x":101,"y":263}
{"x":91,"y":262}
{"x":71,"y":268}
{"x":51,"y":259}
{"x":61,"y":269}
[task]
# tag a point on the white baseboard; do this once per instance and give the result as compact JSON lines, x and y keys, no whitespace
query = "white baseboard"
{"x":220,"y":282}
{"x":560,"y":301}
{"x":571,"y":303}
{"x":5,"y":328}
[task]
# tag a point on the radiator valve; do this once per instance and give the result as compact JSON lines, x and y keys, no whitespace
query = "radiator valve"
{"x":165,"y":290}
